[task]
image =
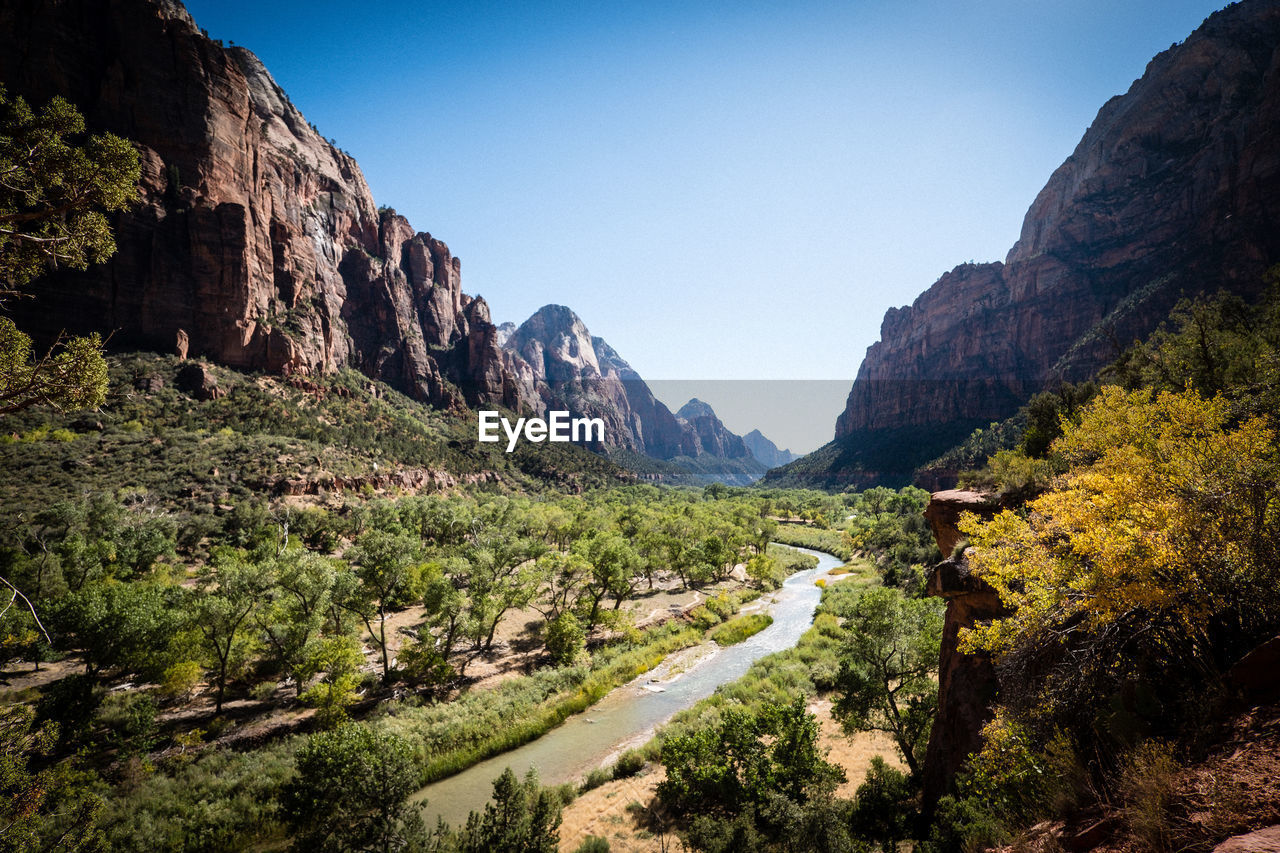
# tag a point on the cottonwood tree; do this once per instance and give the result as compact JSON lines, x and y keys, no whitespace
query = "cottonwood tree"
{"x":386,"y":571}
{"x":229,"y":590}
{"x":352,"y":793}
{"x":890,"y":657}
{"x":294,"y":609}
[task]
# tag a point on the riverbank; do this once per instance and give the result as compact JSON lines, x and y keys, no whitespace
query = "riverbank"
{"x":626,"y":811}
{"x":632,"y":713}
{"x":621,"y":810}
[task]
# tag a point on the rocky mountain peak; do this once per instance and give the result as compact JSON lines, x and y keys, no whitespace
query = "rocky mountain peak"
{"x":695,"y":408}
{"x":1168,"y":194}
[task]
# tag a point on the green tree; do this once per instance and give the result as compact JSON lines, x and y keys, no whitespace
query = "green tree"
{"x":119,"y":625}
{"x":886,"y":680}
{"x":745,"y":760}
{"x":352,"y":793}
{"x":566,"y":641}
{"x":386,"y":571}
{"x":523,"y":817}
{"x":293,"y":611}
{"x":230,"y":589}
{"x":43,"y":807}
{"x":53,"y":192}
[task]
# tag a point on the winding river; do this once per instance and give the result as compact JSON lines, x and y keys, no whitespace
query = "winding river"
{"x":628,"y":715}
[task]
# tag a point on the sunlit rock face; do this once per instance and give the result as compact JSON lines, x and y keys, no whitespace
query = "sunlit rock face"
{"x":257,"y":243}
{"x":1170,"y":192}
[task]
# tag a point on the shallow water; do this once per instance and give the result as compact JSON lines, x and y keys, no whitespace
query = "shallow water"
{"x":628,"y":715}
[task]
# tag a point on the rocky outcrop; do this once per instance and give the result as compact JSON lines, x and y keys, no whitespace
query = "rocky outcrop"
{"x":1263,"y":841}
{"x":966,"y":682}
{"x":765,"y":451}
{"x":1170,"y":192}
{"x":257,"y":243}
{"x":943,"y":514}
{"x":1257,"y":674}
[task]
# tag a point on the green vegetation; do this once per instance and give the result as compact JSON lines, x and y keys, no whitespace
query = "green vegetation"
{"x":1143,"y":564}
{"x":886,"y":681}
{"x":738,"y":629}
{"x":52,"y":200}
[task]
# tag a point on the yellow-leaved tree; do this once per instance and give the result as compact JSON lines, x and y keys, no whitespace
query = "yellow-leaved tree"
{"x":1165,"y":523}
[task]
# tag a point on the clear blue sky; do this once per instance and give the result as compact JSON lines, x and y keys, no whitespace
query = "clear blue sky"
{"x":727,"y":190}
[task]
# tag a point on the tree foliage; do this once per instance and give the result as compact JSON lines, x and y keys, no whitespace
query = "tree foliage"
{"x":887,"y":678}
{"x":351,"y":793}
{"x":1167,"y":512}
{"x":53,"y":194}
{"x":53,"y":190}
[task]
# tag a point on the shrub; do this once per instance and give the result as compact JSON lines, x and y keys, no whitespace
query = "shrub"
{"x":628,"y":764}
{"x":566,"y":640}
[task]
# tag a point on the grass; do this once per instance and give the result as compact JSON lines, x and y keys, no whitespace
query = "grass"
{"x":455,"y":735}
{"x":818,"y":538}
{"x":739,"y":628}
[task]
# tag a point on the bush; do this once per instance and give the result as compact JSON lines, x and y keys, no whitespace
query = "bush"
{"x":566,"y":640}
{"x":628,"y":764}
{"x":593,"y":844}
{"x":594,"y":779}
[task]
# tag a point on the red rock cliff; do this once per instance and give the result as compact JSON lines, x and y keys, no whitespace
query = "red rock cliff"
{"x":257,"y":242}
{"x":1171,"y":191}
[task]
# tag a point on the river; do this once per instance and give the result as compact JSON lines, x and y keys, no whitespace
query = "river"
{"x":629,"y":715}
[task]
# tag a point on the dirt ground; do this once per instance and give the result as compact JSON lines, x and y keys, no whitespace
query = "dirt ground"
{"x":619,"y":811}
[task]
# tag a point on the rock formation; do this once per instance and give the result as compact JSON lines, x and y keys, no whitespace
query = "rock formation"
{"x":1169,"y":193}
{"x":765,"y":451}
{"x":705,"y":434}
{"x":966,"y":683}
{"x":257,"y":243}
{"x":555,"y":359}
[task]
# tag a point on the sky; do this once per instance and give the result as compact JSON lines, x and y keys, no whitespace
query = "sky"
{"x":721,"y":190}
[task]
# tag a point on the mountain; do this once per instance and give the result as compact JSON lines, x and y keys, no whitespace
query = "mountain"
{"x":1169,"y":193}
{"x":707,"y":435}
{"x":765,"y":451}
{"x":257,"y":243}
{"x":558,"y":361}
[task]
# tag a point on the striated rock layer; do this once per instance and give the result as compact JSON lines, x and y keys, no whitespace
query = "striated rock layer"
{"x":257,"y":243}
{"x":1171,"y":191}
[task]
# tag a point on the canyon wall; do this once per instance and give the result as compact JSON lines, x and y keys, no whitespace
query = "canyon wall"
{"x":1171,"y":192}
{"x":257,"y":243}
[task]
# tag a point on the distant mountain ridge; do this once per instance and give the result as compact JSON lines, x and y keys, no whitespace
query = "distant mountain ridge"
{"x":766,"y":451}
{"x":1170,"y":192}
{"x":569,"y":368}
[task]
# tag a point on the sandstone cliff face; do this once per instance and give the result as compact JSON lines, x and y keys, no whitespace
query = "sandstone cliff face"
{"x":1170,"y":192}
{"x":966,"y":683}
{"x":257,"y":243}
